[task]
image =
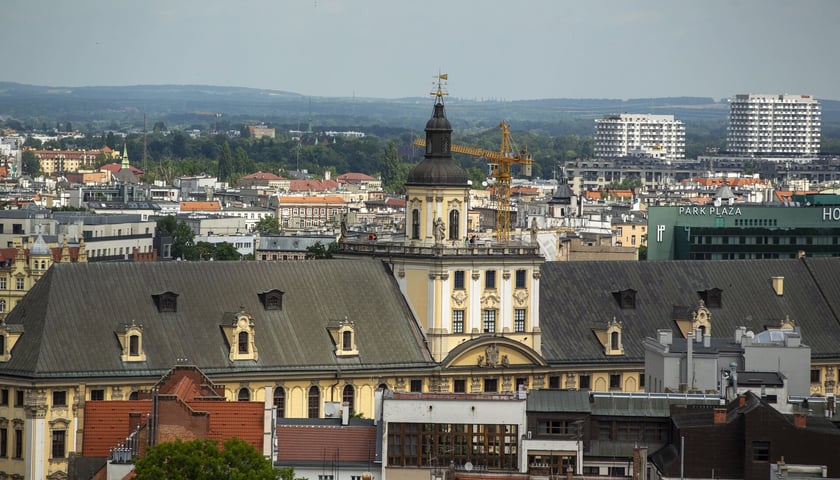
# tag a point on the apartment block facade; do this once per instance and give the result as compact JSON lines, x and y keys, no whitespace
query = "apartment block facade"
{"x":774,"y":124}
{"x":657,"y":136}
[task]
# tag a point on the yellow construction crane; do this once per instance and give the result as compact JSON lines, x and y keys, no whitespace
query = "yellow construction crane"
{"x":501,"y":162}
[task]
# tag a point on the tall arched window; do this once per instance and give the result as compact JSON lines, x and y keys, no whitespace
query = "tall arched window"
{"x":347,"y":340}
{"x":614,"y":343}
{"x":415,"y":224}
{"x":454,"y":218}
{"x":314,"y":402}
{"x":2,"y":306}
{"x":347,"y":397}
{"x":243,"y":342}
{"x":280,"y":402}
{"x":244,"y":395}
{"x":134,"y":345}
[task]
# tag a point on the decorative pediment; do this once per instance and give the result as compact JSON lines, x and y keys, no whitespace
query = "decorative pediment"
{"x":59,"y":423}
{"x":520,"y":297}
{"x":459,"y":297}
{"x":240,"y":333}
{"x":9,"y":335}
{"x":492,"y":358}
{"x":490,"y":300}
{"x":58,"y":475}
{"x":702,"y":319}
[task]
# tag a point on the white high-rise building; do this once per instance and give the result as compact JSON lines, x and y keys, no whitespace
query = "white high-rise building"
{"x":774,"y":124}
{"x":657,"y":136}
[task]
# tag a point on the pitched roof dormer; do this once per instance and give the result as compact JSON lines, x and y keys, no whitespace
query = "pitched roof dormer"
{"x":343,"y":335}
{"x":712,"y":297}
{"x":271,"y":299}
{"x":9,"y":335}
{"x":626,"y":298}
{"x":166,"y":302}
{"x":130,"y":337}
{"x":610,"y":337}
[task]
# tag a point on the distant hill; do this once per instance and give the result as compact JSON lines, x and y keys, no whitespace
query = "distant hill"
{"x":94,"y":107}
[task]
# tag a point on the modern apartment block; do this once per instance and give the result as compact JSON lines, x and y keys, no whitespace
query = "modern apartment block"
{"x":774,"y":124}
{"x":657,"y":136}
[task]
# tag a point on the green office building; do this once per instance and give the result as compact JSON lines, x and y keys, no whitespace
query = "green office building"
{"x":809,"y":225}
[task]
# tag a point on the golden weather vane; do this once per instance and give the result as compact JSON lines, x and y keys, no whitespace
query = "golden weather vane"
{"x":439,"y":86}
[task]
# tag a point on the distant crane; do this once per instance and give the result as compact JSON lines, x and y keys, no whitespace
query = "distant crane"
{"x":216,"y":117}
{"x":501,"y":162}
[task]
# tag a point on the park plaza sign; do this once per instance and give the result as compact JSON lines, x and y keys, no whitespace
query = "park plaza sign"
{"x":828,"y":213}
{"x":708,"y":210}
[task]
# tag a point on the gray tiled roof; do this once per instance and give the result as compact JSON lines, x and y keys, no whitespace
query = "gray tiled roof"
{"x":70,"y":317}
{"x":578,"y":297}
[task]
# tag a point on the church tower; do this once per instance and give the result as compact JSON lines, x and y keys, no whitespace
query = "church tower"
{"x":477,"y":303}
{"x":437,"y":191}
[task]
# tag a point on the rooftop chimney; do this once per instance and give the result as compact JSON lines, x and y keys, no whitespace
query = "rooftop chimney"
{"x":778,"y":285}
{"x":742,"y":401}
{"x":720,"y":416}
{"x":707,"y":340}
{"x":800,"y":420}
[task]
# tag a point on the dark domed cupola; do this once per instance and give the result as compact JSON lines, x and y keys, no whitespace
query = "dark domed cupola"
{"x":438,"y":167}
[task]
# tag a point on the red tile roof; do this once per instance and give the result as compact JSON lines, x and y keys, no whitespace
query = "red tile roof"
{"x":355,"y":177}
{"x":116,"y":167}
{"x":314,"y":442}
{"x":262,"y":176}
{"x":107,"y":424}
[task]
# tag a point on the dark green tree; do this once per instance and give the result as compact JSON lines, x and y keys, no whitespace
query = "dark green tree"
{"x":319,"y":251}
{"x":29,"y":163}
{"x":182,"y":237}
{"x":268,"y":224}
{"x":241,"y":163}
{"x":111,"y":141}
{"x":202,"y":459}
{"x":225,"y":163}
{"x":394,"y":171}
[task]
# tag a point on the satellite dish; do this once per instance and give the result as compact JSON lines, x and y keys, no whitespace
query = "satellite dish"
{"x":468,"y":466}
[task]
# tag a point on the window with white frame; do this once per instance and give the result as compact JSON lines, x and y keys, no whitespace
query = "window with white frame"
{"x":489,"y":320}
{"x":519,"y":320}
{"x":457,"y":321}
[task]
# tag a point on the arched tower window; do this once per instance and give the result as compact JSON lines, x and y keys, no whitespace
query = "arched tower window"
{"x":347,"y":340}
{"x":280,"y":402}
{"x":415,"y":224}
{"x":348,"y":398}
{"x":454,"y":218}
{"x":243,"y":342}
{"x":133,"y":345}
{"x":244,"y":395}
{"x":314,"y":402}
{"x":615,"y":342}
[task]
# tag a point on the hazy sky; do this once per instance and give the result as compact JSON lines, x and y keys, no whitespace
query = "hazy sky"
{"x":511,"y":50}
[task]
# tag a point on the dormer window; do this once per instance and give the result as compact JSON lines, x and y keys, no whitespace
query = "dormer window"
{"x":9,"y":335}
{"x":626,"y":298}
{"x":610,"y":338}
{"x":166,"y":302}
{"x":271,"y":299}
{"x":343,"y":334}
{"x":131,"y":343}
{"x":712,"y":297}
{"x":240,"y":336}
{"x":701,"y":320}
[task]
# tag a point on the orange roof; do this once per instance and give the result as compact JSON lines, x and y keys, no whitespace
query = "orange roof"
{"x":200,"y":206}
{"x":592,"y":194}
{"x":620,"y":193}
{"x":524,"y":190}
{"x":318,"y":200}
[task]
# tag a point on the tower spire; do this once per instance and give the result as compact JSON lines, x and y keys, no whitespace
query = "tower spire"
{"x":125,"y":164}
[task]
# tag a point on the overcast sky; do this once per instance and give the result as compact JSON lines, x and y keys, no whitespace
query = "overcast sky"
{"x":525,"y":49}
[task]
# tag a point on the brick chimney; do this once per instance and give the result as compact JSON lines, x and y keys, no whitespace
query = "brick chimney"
{"x":800,"y":420}
{"x":720,"y":416}
{"x":742,"y":401}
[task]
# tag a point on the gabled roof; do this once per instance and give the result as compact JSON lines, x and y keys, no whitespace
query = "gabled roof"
{"x":353,"y":177}
{"x":312,"y":185}
{"x":262,"y":176}
{"x":68,"y":334}
{"x":576,"y":297}
{"x":200,"y":206}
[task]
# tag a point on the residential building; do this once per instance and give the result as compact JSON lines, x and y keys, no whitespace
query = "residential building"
{"x":263,"y":179}
{"x":260,"y":131}
{"x":116,"y":237}
{"x":301,"y":212}
{"x":774,"y":124}
{"x":639,"y":135}
{"x":243,"y":243}
{"x":288,"y":247}
{"x":54,"y":162}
